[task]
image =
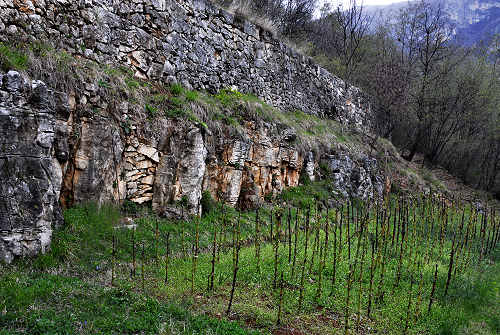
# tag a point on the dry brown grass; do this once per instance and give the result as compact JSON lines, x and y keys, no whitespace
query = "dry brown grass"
{"x":243,"y":9}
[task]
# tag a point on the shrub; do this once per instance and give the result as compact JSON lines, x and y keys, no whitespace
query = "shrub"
{"x":191,"y":95}
{"x":228,"y":96}
{"x":208,"y":204}
{"x":175,"y":113}
{"x":177,"y":102}
{"x":103,"y":83}
{"x":130,"y":207}
{"x":151,"y":110}
{"x":304,"y":178}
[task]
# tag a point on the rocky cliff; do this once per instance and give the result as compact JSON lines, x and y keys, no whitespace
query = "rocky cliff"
{"x":29,"y":168}
{"x":113,"y":137}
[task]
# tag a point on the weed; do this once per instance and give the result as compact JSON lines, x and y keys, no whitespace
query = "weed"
{"x":151,"y":111}
{"x":208,"y":203}
{"x":175,"y":113}
{"x":228,"y":97}
{"x":103,"y":83}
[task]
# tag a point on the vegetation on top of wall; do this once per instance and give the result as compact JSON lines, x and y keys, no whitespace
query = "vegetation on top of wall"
{"x":11,"y":59}
{"x":66,"y":73}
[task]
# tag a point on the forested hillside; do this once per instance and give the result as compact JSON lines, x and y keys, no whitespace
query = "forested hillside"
{"x":435,"y":96}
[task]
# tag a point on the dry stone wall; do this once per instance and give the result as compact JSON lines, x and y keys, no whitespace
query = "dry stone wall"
{"x":187,"y":41}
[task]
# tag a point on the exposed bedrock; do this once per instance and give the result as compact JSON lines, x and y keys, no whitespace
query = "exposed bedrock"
{"x":30,"y":170}
{"x":54,"y":155}
{"x":62,"y":148}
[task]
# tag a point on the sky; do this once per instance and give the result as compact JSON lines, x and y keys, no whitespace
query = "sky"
{"x":365,"y":2}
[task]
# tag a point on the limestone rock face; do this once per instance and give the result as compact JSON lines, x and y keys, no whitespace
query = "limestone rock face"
{"x":180,"y":172}
{"x":354,"y":178}
{"x":30,"y":174}
{"x":97,"y":162}
{"x":247,"y":169}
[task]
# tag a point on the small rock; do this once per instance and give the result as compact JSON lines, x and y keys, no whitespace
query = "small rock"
{"x":81,"y":162}
{"x":145,"y":164}
{"x":149,"y":152}
{"x":40,"y":93}
{"x":148,"y":180}
{"x":145,"y":198}
{"x":12,"y":81}
{"x":132,"y":173}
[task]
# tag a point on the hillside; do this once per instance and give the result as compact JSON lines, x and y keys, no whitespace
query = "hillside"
{"x":474,"y":21}
{"x":169,"y":167}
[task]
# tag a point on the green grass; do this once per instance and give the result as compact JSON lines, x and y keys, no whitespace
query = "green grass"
{"x":12,"y":58}
{"x":176,"y":89}
{"x":53,"y":304}
{"x":70,"y":285}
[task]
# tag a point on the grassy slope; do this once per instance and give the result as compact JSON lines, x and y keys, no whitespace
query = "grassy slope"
{"x":68,"y":290}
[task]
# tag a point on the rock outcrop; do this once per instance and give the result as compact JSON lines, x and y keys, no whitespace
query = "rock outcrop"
{"x":354,"y":177}
{"x":62,"y":148}
{"x":30,"y":166}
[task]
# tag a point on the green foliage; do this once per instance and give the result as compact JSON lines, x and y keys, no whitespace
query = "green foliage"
{"x":175,"y":113}
{"x":176,"y":89}
{"x":151,"y":111}
{"x":12,"y":59}
{"x":191,"y":96}
{"x":208,"y":203}
{"x":126,"y":126}
{"x":229,"y":120}
{"x":308,"y":194}
{"x":132,"y":83}
{"x":325,"y":170}
{"x":130,"y":207}
{"x":103,"y":83}
{"x":176,"y":101}
{"x":228,"y":97}
{"x":304,"y":178}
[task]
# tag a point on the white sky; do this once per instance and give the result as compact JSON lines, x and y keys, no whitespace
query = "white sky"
{"x":365,"y":2}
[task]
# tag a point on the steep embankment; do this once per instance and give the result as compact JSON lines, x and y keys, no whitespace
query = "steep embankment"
{"x":107,"y":125}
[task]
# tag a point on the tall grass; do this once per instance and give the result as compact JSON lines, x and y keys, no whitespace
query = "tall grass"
{"x":378,"y":258}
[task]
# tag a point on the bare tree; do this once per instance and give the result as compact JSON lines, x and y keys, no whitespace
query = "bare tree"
{"x":424,"y":37}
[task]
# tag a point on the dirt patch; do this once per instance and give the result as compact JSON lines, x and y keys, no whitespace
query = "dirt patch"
{"x":287,"y":331}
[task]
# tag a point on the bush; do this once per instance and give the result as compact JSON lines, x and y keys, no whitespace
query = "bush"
{"x":151,"y":110}
{"x":191,"y":95}
{"x":130,"y":207}
{"x":208,"y":203}
{"x":228,"y":97}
